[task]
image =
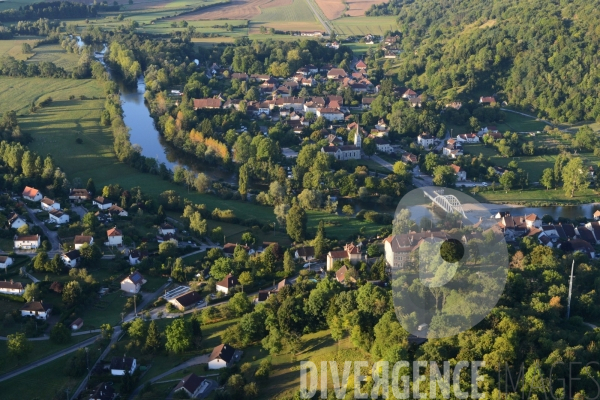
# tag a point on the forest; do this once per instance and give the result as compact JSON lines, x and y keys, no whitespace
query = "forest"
{"x":539,"y":56}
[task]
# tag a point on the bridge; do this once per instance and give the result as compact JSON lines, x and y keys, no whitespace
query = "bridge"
{"x":448,"y":203}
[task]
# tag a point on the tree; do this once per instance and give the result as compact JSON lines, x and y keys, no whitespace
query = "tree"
{"x":574,"y":176}
{"x":288,"y":263}
{"x":296,"y":223}
{"x":198,"y":224}
{"x":32,"y":291}
{"x":18,"y":346}
{"x":221,"y":267}
{"x":507,"y":180}
{"x":319,"y":241}
{"x":91,"y":187}
{"x":179,"y":336}
{"x":40,"y":261}
{"x":90,"y":221}
{"x":71,"y":294}
{"x":90,"y":255}
{"x":248,"y":239}
{"x":137,"y":331}
{"x":400,"y":168}
{"x":60,"y":334}
{"x":547,"y":179}
{"x":202,"y":183}
{"x":239,"y":304}
{"x":26,"y":48}
{"x":369,"y":147}
{"x":348,"y":210}
{"x":167,"y":249}
{"x":443,"y":175}
{"x":585,"y":139}
{"x":245,"y":279}
{"x":235,"y":386}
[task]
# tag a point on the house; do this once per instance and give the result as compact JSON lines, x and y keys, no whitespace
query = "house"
{"x":409,"y":158}
{"x":116,"y":210}
{"x":240,"y":76}
{"x":32,"y":194}
{"x":578,"y":246}
{"x":409,"y":94}
{"x":457,"y":105}
{"x":347,"y":152}
{"x":425,"y":140}
{"x":200,"y":104}
{"x":461,"y":174}
{"x":104,"y":391}
{"x":399,"y":247}
{"x":351,"y":252}
{"x":80,"y":240}
{"x":71,"y":258}
{"x":49,"y":204}
{"x":119,"y":366}
{"x":229,"y":249}
{"x":193,"y":385}
{"x":227,"y":284}
{"x":11,"y":287}
{"x":102,"y":203}
{"x":488,"y":129}
{"x":29,"y":242}
{"x":58,"y":217}
{"x":115,"y":237}
{"x":336,"y":73}
{"x":77,"y":324}
{"x":491,"y":100}
{"x":136,"y":256}
{"x":383,"y":145}
{"x":15,"y":221}
{"x":5,"y":262}
{"x":340,"y":275}
{"x":468,"y":138}
{"x":452,"y":151}
{"x":305,"y":253}
{"x":79,"y":195}
{"x":36,"y":309}
{"x":133,"y":283}
{"x":223,"y":356}
{"x":533,"y":221}
{"x":360,"y":65}
{"x":330,"y":114}
{"x":186,"y":300}
{"x":263,"y":295}
{"x":366,"y":102}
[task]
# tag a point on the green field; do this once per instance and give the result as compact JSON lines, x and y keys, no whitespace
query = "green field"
{"x":55,"y":54}
{"x":519,"y":123}
{"x":8,"y":4}
{"x":360,"y":26}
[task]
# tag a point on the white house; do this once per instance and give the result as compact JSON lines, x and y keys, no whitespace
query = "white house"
{"x":36,"y":309}
{"x":383,"y":145}
{"x":425,"y":140}
{"x":346,"y":152}
{"x":15,"y":221}
{"x":166,"y":229}
{"x":80,"y":240}
{"x":49,"y":204}
{"x":32,"y":194}
{"x":79,"y":195}
{"x":468,"y":138}
{"x":11,"y":287}
{"x":71,"y":258}
{"x":58,"y":217}
{"x":461,"y":174}
{"x":102,"y":203}
{"x":5,"y":261}
{"x":223,"y":356}
{"x":133,"y":283}
{"x":115,"y":237}
{"x":228,"y":283}
{"x":193,"y":385}
{"x":305,"y":253}
{"x":28,"y":242}
{"x":136,"y":256}
{"x":330,"y":114}
{"x":121,"y":365}
{"x":116,"y":210}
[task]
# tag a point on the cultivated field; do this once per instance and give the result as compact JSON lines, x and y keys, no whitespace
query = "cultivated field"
{"x":332,"y":9}
{"x":237,"y":9}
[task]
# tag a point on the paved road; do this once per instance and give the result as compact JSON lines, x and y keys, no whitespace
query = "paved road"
{"x":382,"y":162}
{"x":319,"y":17}
{"x":80,"y":210}
{"x":203,"y":359}
{"x":27,"y":274}
{"x":113,"y":340}
{"x":51,"y":235}
{"x":48,"y":359}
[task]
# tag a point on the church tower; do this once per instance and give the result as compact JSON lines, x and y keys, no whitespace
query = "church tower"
{"x":357,"y":137}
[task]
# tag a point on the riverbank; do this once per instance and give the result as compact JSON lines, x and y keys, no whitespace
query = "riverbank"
{"x":537,"y":198}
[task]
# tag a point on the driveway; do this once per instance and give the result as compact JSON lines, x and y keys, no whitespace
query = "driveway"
{"x":51,"y":235}
{"x":80,"y":210}
{"x":203,"y":359}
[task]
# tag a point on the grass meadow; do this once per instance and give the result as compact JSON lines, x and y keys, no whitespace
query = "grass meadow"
{"x":360,"y":26}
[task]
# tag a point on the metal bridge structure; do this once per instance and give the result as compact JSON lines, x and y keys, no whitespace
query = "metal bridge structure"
{"x":448,"y":203}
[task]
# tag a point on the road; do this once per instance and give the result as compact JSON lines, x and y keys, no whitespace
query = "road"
{"x":46,"y":337}
{"x":203,"y":359}
{"x":113,"y":340}
{"x":48,"y":359}
{"x":382,"y":162}
{"x":319,"y":16}
{"x":51,"y":235}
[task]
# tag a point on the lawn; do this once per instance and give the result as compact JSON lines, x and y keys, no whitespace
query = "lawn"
{"x":13,"y":47}
{"x":537,"y":197}
{"x":55,"y":54}
{"x":40,"y":349}
{"x":519,"y":123}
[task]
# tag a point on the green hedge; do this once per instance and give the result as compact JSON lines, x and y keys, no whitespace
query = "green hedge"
{"x":12,"y":297}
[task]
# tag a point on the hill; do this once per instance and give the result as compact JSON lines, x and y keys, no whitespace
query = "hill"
{"x":540,"y":56}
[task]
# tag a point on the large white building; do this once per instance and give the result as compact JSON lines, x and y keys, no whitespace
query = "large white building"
{"x":346,"y":152}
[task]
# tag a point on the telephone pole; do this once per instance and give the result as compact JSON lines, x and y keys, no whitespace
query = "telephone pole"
{"x":570,"y":290}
